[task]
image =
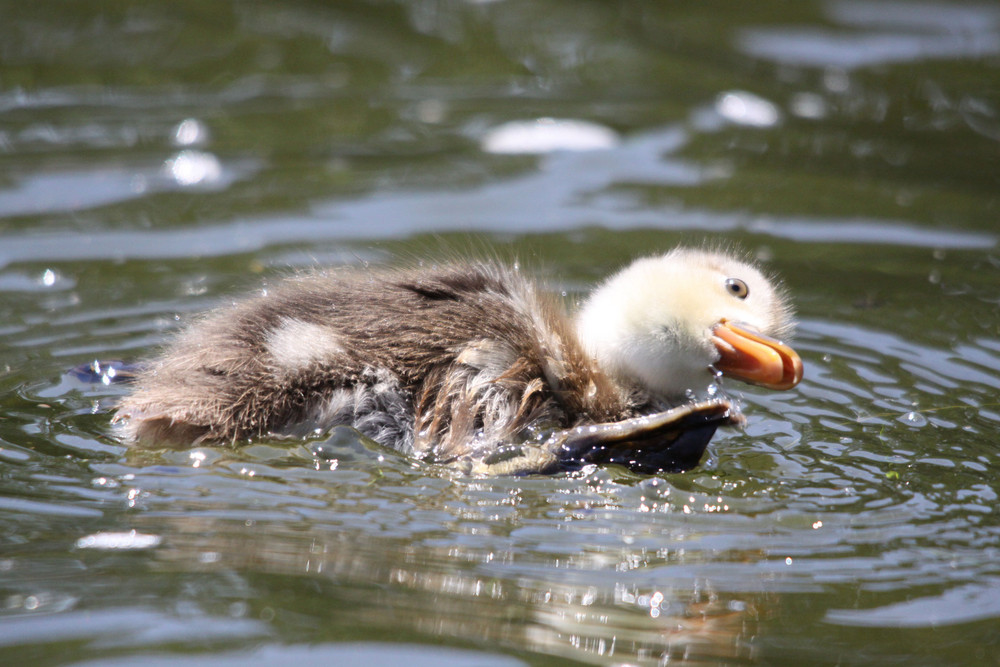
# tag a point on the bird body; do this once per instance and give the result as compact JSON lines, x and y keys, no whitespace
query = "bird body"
{"x":454,"y":363}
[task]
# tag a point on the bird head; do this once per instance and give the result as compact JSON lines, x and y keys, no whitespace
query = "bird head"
{"x":668,"y":323}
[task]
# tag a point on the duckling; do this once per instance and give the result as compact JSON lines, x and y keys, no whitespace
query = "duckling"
{"x":473,"y":365}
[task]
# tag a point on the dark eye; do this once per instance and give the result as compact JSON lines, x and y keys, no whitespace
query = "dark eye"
{"x":737,"y":288}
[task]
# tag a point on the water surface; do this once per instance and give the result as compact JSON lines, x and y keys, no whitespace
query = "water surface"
{"x":159,"y":159}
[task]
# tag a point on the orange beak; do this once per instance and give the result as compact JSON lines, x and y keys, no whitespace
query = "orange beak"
{"x":751,"y":356}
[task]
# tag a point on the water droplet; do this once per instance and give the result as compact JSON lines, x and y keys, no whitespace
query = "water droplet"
{"x":547,"y":135}
{"x":742,"y":108}
{"x":914,"y":419}
{"x":119,"y":541}
{"x":190,"y":132}
{"x":191,"y":167}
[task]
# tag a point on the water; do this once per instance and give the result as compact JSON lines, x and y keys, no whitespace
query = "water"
{"x":157,"y":159}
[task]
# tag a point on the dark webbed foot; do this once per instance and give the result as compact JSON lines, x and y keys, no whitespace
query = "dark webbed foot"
{"x":670,"y":441}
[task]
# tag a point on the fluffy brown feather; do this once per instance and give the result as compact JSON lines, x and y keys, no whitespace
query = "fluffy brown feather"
{"x":434,"y":362}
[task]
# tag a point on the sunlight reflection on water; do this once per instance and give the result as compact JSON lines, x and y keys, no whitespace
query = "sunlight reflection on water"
{"x":148,"y":179}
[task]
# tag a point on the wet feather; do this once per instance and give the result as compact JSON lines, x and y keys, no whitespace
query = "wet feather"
{"x":442,"y":363}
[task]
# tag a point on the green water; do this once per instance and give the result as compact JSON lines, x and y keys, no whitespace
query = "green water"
{"x":158,"y":158}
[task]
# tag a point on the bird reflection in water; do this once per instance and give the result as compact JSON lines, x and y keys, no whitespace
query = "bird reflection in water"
{"x":460,"y":595}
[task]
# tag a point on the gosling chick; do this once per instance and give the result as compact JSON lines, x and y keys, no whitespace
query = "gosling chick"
{"x":473,"y":364}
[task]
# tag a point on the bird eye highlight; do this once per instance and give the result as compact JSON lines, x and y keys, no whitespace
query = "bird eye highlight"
{"x":737,"y":288}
